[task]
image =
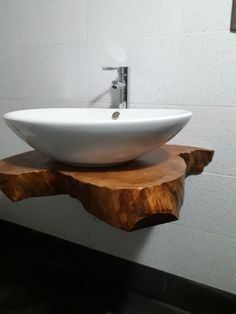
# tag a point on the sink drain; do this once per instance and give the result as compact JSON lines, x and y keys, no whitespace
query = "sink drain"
{"x":115,"y":116}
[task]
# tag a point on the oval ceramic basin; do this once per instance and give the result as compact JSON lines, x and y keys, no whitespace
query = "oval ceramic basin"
{"x":96,"y":137}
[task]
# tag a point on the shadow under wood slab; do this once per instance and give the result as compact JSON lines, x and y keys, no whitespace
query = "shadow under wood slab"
{"x":145,"y":192}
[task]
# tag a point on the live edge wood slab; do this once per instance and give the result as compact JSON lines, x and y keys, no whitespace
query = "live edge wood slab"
{"x":141,"y":193}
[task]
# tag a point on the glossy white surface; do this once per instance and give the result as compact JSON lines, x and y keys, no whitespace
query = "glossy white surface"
{"x":91,"y":137}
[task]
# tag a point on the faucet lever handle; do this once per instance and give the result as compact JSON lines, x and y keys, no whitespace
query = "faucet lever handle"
{"x":110,"y":68}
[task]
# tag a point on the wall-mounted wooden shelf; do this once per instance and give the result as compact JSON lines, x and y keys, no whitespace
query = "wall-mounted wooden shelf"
{"x":142,"y":193}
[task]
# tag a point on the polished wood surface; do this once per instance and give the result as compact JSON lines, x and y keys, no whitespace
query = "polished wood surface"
{"x":141,"y":193}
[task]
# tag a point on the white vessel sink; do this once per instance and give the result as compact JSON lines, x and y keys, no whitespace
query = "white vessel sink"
{"x":92,"y":137}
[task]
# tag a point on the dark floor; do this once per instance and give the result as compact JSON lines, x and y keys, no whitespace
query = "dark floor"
{"x":29,"y":286}
{"x":41,"y":274}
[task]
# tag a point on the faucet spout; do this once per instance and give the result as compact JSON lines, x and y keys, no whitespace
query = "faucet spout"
{"x":121,"y":84}
{"x":117,"y":84}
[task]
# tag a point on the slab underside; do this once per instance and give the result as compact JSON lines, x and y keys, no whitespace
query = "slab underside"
{"x":145,"y":192}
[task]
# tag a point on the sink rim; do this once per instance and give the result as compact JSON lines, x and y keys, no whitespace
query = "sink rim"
{"x":19,"y":115}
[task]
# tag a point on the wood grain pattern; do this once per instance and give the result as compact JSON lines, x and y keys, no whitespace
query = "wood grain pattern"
{"x":141,"y":193}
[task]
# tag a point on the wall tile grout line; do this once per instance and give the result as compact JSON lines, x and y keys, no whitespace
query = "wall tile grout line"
{"x":184,"y":226}
{"x":219,"y":174}
{"x":106,"y":39}
{"x":133,"y":105}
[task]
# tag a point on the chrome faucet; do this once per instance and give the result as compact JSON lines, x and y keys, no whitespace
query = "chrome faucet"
{"x":121,"y":84}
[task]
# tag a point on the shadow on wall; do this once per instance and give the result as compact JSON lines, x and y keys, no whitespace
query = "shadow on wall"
{"x":114,"y":96}
{"x":66,"y":218}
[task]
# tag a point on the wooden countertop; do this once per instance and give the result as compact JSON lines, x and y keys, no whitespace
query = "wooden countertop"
{"x":145,"y":192}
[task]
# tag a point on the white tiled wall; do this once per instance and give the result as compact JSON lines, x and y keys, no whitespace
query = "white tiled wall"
{"x":181,"y":55}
